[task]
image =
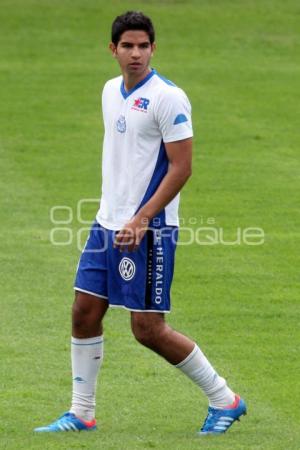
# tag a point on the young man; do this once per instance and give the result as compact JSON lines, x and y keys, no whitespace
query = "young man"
{"x":129,"y":256}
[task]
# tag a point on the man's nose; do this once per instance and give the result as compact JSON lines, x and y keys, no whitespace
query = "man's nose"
{"x":136,"y":52}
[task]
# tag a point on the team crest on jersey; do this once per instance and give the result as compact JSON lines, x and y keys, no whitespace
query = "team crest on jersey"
{"x":121,"y":124}
{"x":141,"y":104}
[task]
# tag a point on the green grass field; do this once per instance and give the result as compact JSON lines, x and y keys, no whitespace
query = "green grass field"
{"x":239,"y":63}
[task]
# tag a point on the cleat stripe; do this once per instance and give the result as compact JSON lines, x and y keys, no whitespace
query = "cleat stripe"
{"x":68,"y":422}
{"x":219,"y":421}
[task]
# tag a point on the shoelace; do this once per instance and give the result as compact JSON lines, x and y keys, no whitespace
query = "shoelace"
{"x":210,"y":420}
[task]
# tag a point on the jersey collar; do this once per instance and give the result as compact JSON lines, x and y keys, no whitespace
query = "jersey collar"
{"x":126,"y":94}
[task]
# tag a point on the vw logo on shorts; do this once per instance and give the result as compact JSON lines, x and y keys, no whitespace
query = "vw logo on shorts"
{"x":127,"y":269}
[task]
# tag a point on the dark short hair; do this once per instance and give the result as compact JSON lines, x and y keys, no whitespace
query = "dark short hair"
{"x":131,"y":20}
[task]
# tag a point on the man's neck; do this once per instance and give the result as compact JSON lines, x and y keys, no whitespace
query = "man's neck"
{"x":131,"y":81}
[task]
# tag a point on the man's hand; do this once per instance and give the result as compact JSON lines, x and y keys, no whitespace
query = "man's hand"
{"x":129,"y":238}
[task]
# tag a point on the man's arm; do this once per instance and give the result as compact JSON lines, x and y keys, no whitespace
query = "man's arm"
{"x":179,"y":154}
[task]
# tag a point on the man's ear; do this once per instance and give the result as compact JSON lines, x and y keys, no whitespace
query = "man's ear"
{"x":113,"y":49}
{"x":153,"y":48}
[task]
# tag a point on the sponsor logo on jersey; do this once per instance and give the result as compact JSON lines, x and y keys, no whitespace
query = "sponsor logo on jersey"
{"x":121,"y":124}
{"x":127,"y":269}
{"x":141,"y":104}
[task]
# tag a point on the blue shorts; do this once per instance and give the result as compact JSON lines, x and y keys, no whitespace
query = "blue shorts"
{"x":138,"y":281}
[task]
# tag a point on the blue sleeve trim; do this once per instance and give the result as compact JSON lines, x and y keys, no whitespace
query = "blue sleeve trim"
{"x":181,"y":118}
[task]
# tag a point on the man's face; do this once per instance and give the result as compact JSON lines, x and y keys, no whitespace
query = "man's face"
{"x":133,"y":52}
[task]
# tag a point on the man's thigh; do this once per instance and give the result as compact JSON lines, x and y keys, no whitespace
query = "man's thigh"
{"x":147,"y":320}
{"x":91,"y":276}
{"x":141,"y":281}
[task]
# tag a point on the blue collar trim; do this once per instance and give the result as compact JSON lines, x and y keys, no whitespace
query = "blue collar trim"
{"x":137,"y":86}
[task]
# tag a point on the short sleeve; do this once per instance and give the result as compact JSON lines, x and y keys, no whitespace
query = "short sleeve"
{"x":174,"y":115}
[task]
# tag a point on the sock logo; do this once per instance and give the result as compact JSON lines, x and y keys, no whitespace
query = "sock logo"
{"x":79,"y":380}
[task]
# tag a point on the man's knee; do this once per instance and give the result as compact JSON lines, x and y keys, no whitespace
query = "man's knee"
{"x":147,"y":331}
{"x":87,"y":312}
{"x":81,"y":314}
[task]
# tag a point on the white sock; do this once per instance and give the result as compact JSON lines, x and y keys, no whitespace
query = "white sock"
{"x":198,"y":369}
{"x":87,"y":356}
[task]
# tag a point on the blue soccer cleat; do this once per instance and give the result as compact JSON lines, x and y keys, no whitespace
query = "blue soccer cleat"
{"x":219,"y":420}
{"x":68,"y":422}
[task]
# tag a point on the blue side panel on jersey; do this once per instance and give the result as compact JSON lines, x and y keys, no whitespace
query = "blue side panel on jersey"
{"x":137,"y":86}
{"x":161,"y":168}
{"x":181,"y":118}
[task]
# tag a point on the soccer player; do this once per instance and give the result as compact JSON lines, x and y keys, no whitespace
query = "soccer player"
{"x":129,"y":256}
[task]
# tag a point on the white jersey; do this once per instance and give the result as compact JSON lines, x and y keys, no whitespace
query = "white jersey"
{"x":137,"y":124}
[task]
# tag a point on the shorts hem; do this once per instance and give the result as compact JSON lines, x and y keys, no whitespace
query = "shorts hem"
{"x":139,"y":310}
{"x":90,"y":292}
